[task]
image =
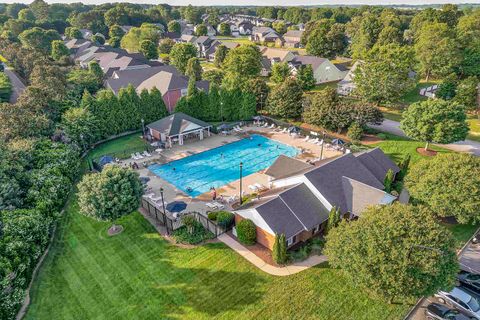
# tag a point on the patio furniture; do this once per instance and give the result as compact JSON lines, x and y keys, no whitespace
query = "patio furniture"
{"x":259,"y":186}
{"x":211,"y":205}
{"x":314,"y":141}
{"x":146,"y":154}
{"x":272,"y":126}
{"x":253,"y":187}
{"x":218,"y":205}
{"x":320,"y":142}
{"x":265,"y":125}
{"x":306,"y":138}
{"x":138,"y":155}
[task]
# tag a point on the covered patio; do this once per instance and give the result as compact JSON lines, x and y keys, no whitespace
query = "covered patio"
{"x":178,"y":128}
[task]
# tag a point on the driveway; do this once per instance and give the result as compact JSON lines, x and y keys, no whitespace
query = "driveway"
{"x":17,"y":85}
{"x":393,"y":127}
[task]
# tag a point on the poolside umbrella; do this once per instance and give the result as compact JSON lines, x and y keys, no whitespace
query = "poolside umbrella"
{"x":222,"y":127}
{"x":338,"y":141}
{"x":258,"y":118}
{"x":105,"y":160}
{"x":176,"y":206}
{"x":294,"y":129}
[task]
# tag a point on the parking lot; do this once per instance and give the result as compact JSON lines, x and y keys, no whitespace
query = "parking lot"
{"x":469,"y":260}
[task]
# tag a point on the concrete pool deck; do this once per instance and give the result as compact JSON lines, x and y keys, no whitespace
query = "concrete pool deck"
{"x":171,"y":193}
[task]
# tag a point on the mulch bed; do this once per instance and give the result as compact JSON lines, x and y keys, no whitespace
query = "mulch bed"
{"x":370,"y":139}
{"x":114,"y":230}
{"x":427,"y":153}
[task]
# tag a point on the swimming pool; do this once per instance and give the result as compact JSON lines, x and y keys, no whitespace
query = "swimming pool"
{"x":220,"y":166}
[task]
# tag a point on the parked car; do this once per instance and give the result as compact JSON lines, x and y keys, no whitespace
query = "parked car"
{"x":436,"y":311}
{"x":462,"y":299}
{"x":470,"y":281}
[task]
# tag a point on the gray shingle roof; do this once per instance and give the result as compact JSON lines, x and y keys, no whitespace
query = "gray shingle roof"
{"x":294,"y":210}
{"x":359,"y":196}
{"x":377,"y":162}
{"x":327,"y":179}
{"x":315,"y":62}
{"x":177,"y":123}
{"x":285,"y":167}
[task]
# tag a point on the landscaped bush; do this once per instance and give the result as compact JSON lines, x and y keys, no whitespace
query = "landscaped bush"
{"x":192,"y":233}
{"x":246,"y":232}
{"x":382,"y":136}
{"x":213,"y":215}
{"x":225,"y":219}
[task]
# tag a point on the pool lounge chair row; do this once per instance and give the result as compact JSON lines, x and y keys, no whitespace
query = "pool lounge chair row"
{"x":155,"y":199}
{"x":214,"y":205}
{"x":138,"y":156}
{"x":256,"y":187}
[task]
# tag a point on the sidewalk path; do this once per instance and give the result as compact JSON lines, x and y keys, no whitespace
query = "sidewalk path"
{"x":393,"y":127}
{"x":17,"y":85}
{"x":259,"y":263}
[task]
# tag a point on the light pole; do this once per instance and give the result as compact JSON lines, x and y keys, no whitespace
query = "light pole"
{"x":323,"y":143}
{"x":221,"y":110}
{"x":143,"y":128}
{"x":241,"y":169}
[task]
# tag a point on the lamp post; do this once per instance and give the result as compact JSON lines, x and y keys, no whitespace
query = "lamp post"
{"x":143,"y":128}
{"x":323,"y":143}
{"x":164,"y":213}
{"x":163,"y":202}
{"x":221,"y":110}
{"x":241,"y":169}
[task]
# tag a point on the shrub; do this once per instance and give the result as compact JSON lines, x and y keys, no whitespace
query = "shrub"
{"x":225,"y":219}
{"x":382,"y":136}
{"x":196,"y":235}
{"x":190,"y":223}
{"x":246,"y":232}
{"x":213,"y":215}
{"x":355,"y":132}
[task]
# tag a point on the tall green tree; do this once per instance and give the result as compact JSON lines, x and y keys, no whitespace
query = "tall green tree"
{"x":80,"y":126}
{"x":395,"y":251}
{"x":384,"y":77}
{"x":116,"y":31}
{"x":285,"y":100}
{"x":39,"y":39}
{"x":26,"y":14}
{"x":149,"y":49}
{"x":194,"y":69}
{"x":59,"y":50}
{"x":174,"y":26}
{"x":224,"y":29}
{"x":241,"y":64}
{"x":280,"y":72}
{"x":73,"y":33}
{"x":201,"y":30}
{"x":133,"y":39}
{"x":220,"y":55}
{"x":305,"y":77}
{"x":5,"y":88}
{"x":95,"y":69}
{"x":467,"y":92}
{"x":388,"y":181}
{"x":435,"y":121}
{"x":448,"y":184}
{"x":165,"y":46}
{"x":180,"y":54}
{"x":327,"y":39}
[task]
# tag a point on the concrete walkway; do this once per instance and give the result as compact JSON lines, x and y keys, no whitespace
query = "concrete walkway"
{"x":393,"y":127}
{"x":17,"y":85}
{"x":262,"y":265}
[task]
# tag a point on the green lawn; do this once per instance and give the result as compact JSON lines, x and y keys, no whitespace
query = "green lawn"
{"x":462,"y":233}
{"x":397,"y":147}
{"x":474,"y":123}
{"x":138,"y":275}
{"x":121,"y":147}
{"x":414,"y":95}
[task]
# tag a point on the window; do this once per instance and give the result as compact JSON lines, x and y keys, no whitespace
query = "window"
{"x":290,"y":241}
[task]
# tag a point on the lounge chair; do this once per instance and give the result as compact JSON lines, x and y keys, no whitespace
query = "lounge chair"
{"x":320,"y":142}
{"x":218,"y":205}
{"x":253,"y":187}
{"x":306,"y":138}
{"x":314,"y":141}
{"x":211,"y":205}
{"x":272,"y":126}
{"x":146,"y":154}
{"x":259,"y":186}
{"x":139,"y":156}
{"x":232,"y":199}
{"x":265,"y":125}
{"x":150,"y":195}
{"x":285,"y":130}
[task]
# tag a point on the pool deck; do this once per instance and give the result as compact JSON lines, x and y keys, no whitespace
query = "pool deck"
{"x":171,"y":193}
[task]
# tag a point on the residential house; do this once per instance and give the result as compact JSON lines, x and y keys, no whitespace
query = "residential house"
{"x":203,"y":43}
{"x":292,"y":38}
{"x":245,"y":28}
{"x":277,"y":55}
{"x":210,"y":53}
{"x":265,"y":35}
{"x":266,"y":67}
{"x":323,"y":70}
{"x":302,"y":195}
{"x":86,"y":33}
{"x":187,"y":38}
{"x":167,"y":79}
{"x":175,"y":36}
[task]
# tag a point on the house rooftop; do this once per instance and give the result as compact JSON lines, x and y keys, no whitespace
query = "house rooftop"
{"x":177,"y":123}
{"x":285,"y":167}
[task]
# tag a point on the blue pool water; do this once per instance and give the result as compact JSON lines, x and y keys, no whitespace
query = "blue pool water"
{"x":220,"y":166}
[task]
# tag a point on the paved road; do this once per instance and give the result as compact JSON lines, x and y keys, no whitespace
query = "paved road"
{"x":461,"y":146}
{"x":17,"y":85}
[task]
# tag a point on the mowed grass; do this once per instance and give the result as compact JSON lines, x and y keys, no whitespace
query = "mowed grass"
{"x":474,"y":123}
{"x":414,"y":94}
{"x":138,"y":275}
{"x":121,"y":147}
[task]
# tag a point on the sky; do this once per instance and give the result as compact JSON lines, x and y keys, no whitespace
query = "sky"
{"x":262,"y":2}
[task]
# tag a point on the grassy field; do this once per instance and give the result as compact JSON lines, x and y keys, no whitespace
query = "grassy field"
{"x":414,"y":95}
{"x":474,"y":123}
{"x":138,"y":275}
{"x":121,"y":147}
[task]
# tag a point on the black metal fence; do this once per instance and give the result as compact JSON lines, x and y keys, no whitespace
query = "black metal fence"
{"x":171,"y":223}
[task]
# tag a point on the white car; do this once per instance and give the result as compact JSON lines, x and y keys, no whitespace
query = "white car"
{"x":462,"y":299}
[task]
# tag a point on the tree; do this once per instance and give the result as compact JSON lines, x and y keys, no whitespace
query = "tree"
{"x":213,"y":76}
{"x":394,"y":251}
{"x":279,"y":26}
{"x":466,"y":93}
{"x":388,"y":181}
{"x":470,"y":65}
{"x":194,"y":69}
{"x":165,"y":46}
{"x":133,"y":39}
{"x":285,"y":100}
{"x":435,"y":121}
{"x":59,"y":50}
{"x":446,"y":90}
{"x":110,"y":194}
{"x":448,"y":184}
{"x":116,"y":31}
{"x":97,"y":38}
{"x":384,"y":77}
{"x":220,"y":55}
{"x":280,"y":72}
{"x":224,"y":29}
{"x":73,"y":33}
{"x":260,"y":89}
{"x":403,"y":165}
{"x":364,"y":31}
{"x":115,"y":42}
{"x":26,"y":14}
{"x":468,"y":28}
{"x":436,"y":50}
{"x":149,"y":49}
{"x":38,"y":39}
{"x":326,"y":39}
{"x":80,"y":126}
{"x":180,"y":54}
{"x":334,"y":218}
{"x":174,"y":26}
{"x":305,"y":77}
{"x":355,"y":132}
{"x":276,"y":249}
{"x":201,"y":30}
{"x":95,"y":69}
{"x":246,"y":232}
{"x":241,"y":64}
{"x":279,"y":250}
{"x":5,"y":88}
{"x":390,"y":35}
